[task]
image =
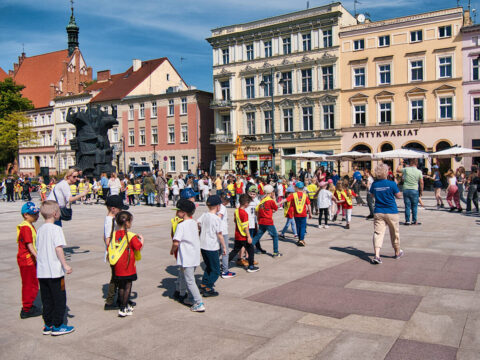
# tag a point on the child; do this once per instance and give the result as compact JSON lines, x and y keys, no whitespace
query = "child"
{"x":346,"y":195}
{"x":186,"y":249}
{"x":324,"y":202}
{"x":252,"y":221}
{"x":312,"y":191}
{"x":223,"y":215}
{"x":333,"y":208}
{"x":175,"y":191}
{"x":131,"y":192}
{"x":265,"y":211}
{"x":301,"y":207}
{"x":231,"y":191}
{"x":280,"y":191}
{"x":288,"y":213}
{"x":138,"y":191}
{"x":123,"y":251}
{"x":26,"y":259}
{"x":43,"y":190}
{"x":51,"y":269}
{"x":81,"y":189}
{"x":211,"y":241}
{"x":242,"y":236}
{"x":114,"y":205}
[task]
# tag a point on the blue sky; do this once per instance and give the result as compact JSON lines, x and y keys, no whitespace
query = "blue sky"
{"x":112,"y":33}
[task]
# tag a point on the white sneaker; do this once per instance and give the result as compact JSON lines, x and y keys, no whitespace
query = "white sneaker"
{"x":198,"y":307}
{"x":130,"y":308}
{"x":325,"y":226}
{"x":320,"y":226}
{"x":124,"y":312}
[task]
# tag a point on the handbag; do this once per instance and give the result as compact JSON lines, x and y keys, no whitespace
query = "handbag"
{"x":65,"y":212}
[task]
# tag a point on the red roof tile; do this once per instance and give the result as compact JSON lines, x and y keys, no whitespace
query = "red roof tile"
{"x":129,"y":80}
{"x":102,"y":85}
{"x":3,"y":74}
{"x":37,"y":73}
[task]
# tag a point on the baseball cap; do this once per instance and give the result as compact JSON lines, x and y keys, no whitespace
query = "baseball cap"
{"x":116,"y":201}
{"x":299,"y":185}
{"x":268,"y":189}
{"x":330,"y":181}
{"x":290,"y":189}
{"x":435,"y":167}
{"x":30,"y":208}
{"x":322,"y":184}
{"x":252,"y":188}
{"x":185,"y":205}
{"x":188,"y":193}
{"x":214,"y":200}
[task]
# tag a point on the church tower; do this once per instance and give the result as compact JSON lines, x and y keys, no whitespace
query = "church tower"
{"x":72,"y":31}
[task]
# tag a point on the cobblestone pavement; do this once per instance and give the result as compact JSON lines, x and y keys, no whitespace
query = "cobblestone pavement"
{"x":324,"y":301}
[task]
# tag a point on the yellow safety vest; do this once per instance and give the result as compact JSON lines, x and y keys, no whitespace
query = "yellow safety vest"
{"x":90,"y":187}
{"x":299,"y":204}
{"x":311,"y":189}
{"x":100,"y":190}
{"x":262,"y":202}
{"x":286,"y":207}
{"x":116,"y":250}
{"x":43,"y":188}
{"x":241,"y":225}
{"x":348,"y":199}
{"x":81,"y":187}
{"x":175,"y":221}
{"x":73,"y":189}
{"x":130,"y":190}
{"x":138,"y":189}
{"x":231,"y":188}
{"x":34,"y":234}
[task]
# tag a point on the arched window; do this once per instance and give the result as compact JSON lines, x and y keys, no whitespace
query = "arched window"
{"x":419,"y":147}
{"x":361,"y":165}
{"x":387,"y":147}
{"x":444,"y":164}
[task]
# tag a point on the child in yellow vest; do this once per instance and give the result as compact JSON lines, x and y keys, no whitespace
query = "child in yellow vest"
{"x":18,"y":191}
{"x":231,"y":191}
{"x":138,"y":191}
{"x":81,"y":188}
{"x":73,"y":190}
{"x":43,"y":190}
{"x":26,"y":259}
{"x":288,"y":213}
{"x":131,"y":192}
{"x":90,"y":192}
{"x":312,"y":191}
{"x":301,"y":208}
{"x":345,"y":195}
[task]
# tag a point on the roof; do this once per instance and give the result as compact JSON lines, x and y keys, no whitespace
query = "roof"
{"x":3,"y":74}
{"x":37,"y":73}
{"x":128,"y":81}
{"x":101,"y":85}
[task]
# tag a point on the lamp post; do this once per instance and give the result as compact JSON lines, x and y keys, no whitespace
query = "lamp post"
{"x":122,"y":140}
{"x":57,"y":151}
{"x":272,"y":148}
{"x":154,"y":158}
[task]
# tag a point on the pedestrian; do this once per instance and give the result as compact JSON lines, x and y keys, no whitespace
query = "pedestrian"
{"x":461,"y":180}
{"x":472,"y":194}
{"x":412,"y":187}
{"x":324,"y":202}
{"x":345,"y":197}
{"x":10,"y":187}
{"x":357,"y":185}
{"x":452,"y":192}
{"x":301,"y":207}
{"x":288,"y":213}
{"x":370,"y":197}
{"x":252,"y":192}
{"x":312,"y":191}
{"x":223,"y":215}
{"x":43,"y":190}
{"x":131,"y":192}
{"x":437,"y":185}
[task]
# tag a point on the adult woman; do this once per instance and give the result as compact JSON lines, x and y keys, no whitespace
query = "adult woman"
{"x":437,"y":185}
{"x":161,"y":184}
{"x":114,"y":184}
{"x":461,"y":179}
{"x":472,"y":194}
{"x":385,"y":212}
{"x":149,"y":188}
{"x":452,"y":192}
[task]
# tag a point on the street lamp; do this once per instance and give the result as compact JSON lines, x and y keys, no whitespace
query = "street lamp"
{"x":154,"y":158}
{"x":263,"y":85}
{"x":57,"y":151}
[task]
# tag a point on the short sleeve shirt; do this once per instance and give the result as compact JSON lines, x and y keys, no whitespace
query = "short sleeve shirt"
{"x":291,"y":200}
{"x":189,"y":248}
{"x":210,"y":226}
{"x":357,"y":176}
{"x":63,"y":192}
{"x":24,"y":257}
{"x":411,"y":177}
{"x":324,"y":199}
{"x":265,"y":212}
{"x":49,"y":237}
{"x":243,"y":215}
{"x":384,"y":192}
{"x":252,"y":216}
{"x":224,"y":220}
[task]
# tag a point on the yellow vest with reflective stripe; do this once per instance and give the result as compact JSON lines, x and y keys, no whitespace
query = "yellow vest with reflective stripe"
{"x":262,"y":202}
{"x":81,"y":187}
{"x":116,"y":250}
{"x":175,"y":221}
{"x":43,"y":188}
{"x":90,"y":187}
{"x":34,"y":233}
{"x":241,"y":225}
{"x":299,"y":204}
{"x":73,"y":189}
{"x":138,"y":189}
{"x":130,"y":190}
{"x":286,"y":207}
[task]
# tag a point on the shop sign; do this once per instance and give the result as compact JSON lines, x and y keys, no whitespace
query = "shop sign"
{"x":251,"y":148}
{"x":252,"y":157}
{"x":265,"y":157}
{"x":385,"y":133}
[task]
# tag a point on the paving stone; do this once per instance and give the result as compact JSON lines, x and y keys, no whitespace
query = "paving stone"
{"x":471,"y":338}
{"x":414,"y":350}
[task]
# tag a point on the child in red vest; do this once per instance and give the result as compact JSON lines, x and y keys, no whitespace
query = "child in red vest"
{"x":288,"y":212}
{"x":345,"y":197}
{"x":301,"y":207}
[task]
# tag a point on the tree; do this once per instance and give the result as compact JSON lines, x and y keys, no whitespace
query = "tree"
{"x":15,"y":128}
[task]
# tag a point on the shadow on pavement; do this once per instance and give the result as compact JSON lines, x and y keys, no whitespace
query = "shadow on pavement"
{"x":354,"y":251}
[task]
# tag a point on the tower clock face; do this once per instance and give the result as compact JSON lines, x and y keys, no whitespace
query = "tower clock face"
{"x":361,"y":18}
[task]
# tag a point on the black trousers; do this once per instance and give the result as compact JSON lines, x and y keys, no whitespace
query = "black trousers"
{"x":323,"y":211}
{"x":54,"y":300}
{"x":10,"y":195}
{"x":238,"y":246}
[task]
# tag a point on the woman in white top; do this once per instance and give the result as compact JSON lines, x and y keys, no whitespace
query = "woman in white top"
{"x":452,"y":191}
{"x":114,"y":184}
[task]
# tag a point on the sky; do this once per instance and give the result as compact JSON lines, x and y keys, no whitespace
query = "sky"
{"x":112,"y":33}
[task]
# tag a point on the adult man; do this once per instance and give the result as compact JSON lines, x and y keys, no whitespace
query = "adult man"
{"x":10,"y":184}
{"x":219,"y":185}
{"x":412,"y":188}
{"x":472,"y":194}
{"x":160,"y":184}
{"x":272,"y":177}
{"x":335,"y":177}
{"x":189,"y":175}
{"x":357,"y":185}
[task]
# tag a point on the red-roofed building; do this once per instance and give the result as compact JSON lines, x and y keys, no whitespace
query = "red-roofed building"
{"x":3,"y":74}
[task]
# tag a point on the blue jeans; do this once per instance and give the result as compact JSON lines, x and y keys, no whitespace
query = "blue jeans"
{"x":290,"y":222}
{"x":212,"y":267}
{"x":151,"y":198}
{"x":410,"y":198}
{"x":272,"y":230}
{"x":301,"y":224}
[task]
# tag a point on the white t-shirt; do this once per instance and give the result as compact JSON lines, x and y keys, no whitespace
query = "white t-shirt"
{"x":324,"y":199}
{"x":370,"y":181}
{"x":175,"y":190}
{"x":181,"y":184}
{"x":189,"y":248}
{"x":452,"y":181}
{"x":63,"y":192}
{"x":114,"y":185}
{"x":252,"y":216}
{"x":211,"y":225}
{"x":49,"y":237}
{"x":280,"y":189}
{"x":224,"y":213}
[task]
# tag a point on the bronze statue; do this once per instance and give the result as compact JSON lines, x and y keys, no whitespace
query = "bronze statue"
{"x":93,"y":153}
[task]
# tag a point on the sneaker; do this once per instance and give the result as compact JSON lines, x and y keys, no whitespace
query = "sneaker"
{"x":228,"y":275}
{"x":376,"y":260}
{"x":47,"y":330}
{"x":347,"y":226}
{"x":132,"y":303}
{"x":242,"y":262}
{"x":252,"y":269}
{"x":62,"y":330}
{"x":416,"y":223}
{"x":187,"y":301}
{"x":295,"y":236}
{"x":277,"y":254}
{"x":107,"y":307}
{"x":325,"y":227}
{"x":130,"y":308}
{"x":210,"y":293}
{"x":452,"y":209}
{"x":369,"y":217}
{"x":198,"y":307}
{"x":334,"y":218}
{"x":320,"y":226}
{"x":300,"y":243}
{"x":125,"y":312}
{"x":406,"y":223}
{"x":33,"y":312}
{"x":400,"y":254}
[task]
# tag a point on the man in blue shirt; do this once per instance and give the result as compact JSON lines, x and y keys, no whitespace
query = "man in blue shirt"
{"x":335,"y":177}
{"x":357,"y":185}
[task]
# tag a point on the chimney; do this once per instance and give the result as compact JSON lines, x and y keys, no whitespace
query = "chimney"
{"x":103,"y":75}
{"x":137,"y":64}
{"x":467,"y":20}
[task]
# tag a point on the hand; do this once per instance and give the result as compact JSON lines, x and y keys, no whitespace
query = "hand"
{"x":309,"y":216}
{"x":224,"y":252}
{"x":249,"y":240}
{"x":68,"y":269}
{"x":140,"y":237}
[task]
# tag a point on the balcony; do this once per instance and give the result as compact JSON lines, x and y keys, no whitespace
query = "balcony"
{"x":221,"y":104}
{"x":288,"y":136}
{"x":217,"y":139}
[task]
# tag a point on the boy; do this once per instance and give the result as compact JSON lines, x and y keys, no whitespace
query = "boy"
{"x":114,"y":205}
{"x":288,"y":212}
{"x":265,"y":211}
{"x":242,"y":235}
{"x":26,"y":259}
{"x":51,"y":269}
{"x":186,"y":249}
{"x":252,"y":220}
{"x":223,"y":215}
{"x":211,"y":241}
{"x":312,"y":191}
{"x":301,"y":207}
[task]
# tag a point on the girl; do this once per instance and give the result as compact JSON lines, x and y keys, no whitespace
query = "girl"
{"x":131,"y":192}
{"x":123,"y":251}
{"x":346,"y":196}
{"x":437,"y":185}
{"x":175,"y":192}
{"x":333,"y":208}
{"x":324,"y":202}
{"x":452,"y":191}
{"x":280,"y":191}
{"x":206,"y":189}
{"x":461,"y":180}
{"x":43,"y":190}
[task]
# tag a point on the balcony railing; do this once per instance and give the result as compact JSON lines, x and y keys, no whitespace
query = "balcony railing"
{"x":221,"y":139}
{"x":220,"y":104}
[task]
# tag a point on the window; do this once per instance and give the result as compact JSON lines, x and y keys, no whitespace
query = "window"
{"x":132,"y":160}
{"x":115,"y":135}
{"x":416,"y":68}
{"x":184,"y":106}
{"x":446,"y":108}
{"x":251,"y":123}
{"x":358,"y":44}
{"x":268,"y":48}
{"x":445,"y":66}
{"x":475,"y":69}
{"x":143,"y":159}
{"x":63,"y":137}
{"x":307,"y":118}
{"x":168,"y":77}
{"x":154,"y":135}
{"x":267,"y":85}
{"x":171,"y":163}
{"x":131,"y":137}
{"x":327,"y":76}
{"x":287,"y":82}
{"x":307,"y":80}
{"x":52,"y":161}
{"x":249,"y":52}
{"x":384,"y":41}
{"x":360,"y":115}
{"x":416,"y":110}
{"x":416,"y":36}
{"x":130,"y":112}
{"x":268,"y":121}
{"x":384,"y":74}
{"x":154,"y":109}
{"x":385,"y":113}
{"x":250,"y":87}
{"x":226,"y":124}
{"x":307,"y":42}
{"x":445,"y":31}
{"x":359,"y":77}
{"x":225,"y":56}
{"x":476,"y":109}
{"x":171,"y":108}
{"x":327,"y":38}
{"x":142,"y":137}
{"x":328,"y":117}
{"x":225,"y":88}
{"x":287,"y":120}
{"x":184,"y":163}
{"x":142,"y":111}
{"x":184,"y":133}
{"x":171,"y":134}
{"x":287,"y":46}
{"x":64,"y":116}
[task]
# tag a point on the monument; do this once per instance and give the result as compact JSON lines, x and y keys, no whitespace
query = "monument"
{"x":93,"y":152}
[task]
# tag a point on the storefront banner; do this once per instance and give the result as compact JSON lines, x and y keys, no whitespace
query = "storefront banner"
{"x":265,"y":157}
{"x":252,"y":157}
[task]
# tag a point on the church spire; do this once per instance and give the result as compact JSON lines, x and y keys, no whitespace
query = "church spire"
{"x":72,"y":31}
